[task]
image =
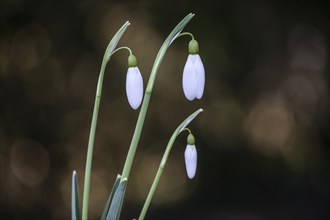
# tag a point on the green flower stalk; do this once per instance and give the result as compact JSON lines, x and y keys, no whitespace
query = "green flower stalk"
{"x":110,"y":49}
{"x":147,"y":95}
{"x":162,"y":164}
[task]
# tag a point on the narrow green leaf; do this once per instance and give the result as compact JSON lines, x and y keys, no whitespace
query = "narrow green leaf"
{"x":114,"y":41}
{"x":75,"y":208}
{"x":117,"y":201}
{"x":107,"y":206}
{"x":191,"y":117}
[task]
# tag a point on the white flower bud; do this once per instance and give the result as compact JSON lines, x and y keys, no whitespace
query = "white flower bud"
{"x":134,"y":87}
{"x":193,"y":79}
{"x":190,"y":156}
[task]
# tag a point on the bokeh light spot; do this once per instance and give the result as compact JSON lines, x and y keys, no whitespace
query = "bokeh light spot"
{"x":269,"y":124}
{"x":29,"y":161}
{"x":30,"y":47}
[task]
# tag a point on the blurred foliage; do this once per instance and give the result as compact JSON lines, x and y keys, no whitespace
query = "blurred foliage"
{"x":263,"y":139}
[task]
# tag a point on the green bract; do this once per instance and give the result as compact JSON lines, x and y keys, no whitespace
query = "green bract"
{"x":190,"y":139}
{"x":132,"y":61}
{"x":193,"y":47}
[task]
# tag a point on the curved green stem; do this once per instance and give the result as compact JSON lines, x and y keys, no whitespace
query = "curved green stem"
{"x":186,"y":33}
{"x":121,"y":48}
{"x":162,"y":164}
{"x":111,"y":46}
{"x":147,"y":95}
{"x":187,"y":129}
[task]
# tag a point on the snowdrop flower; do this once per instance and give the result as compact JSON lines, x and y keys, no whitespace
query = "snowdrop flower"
{"x":190,"y":156}
{"x":193,"y":79}
{"x":134,"y":83}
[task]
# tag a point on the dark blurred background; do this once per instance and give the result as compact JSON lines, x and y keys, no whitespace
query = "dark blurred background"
{"x":262,"y":140}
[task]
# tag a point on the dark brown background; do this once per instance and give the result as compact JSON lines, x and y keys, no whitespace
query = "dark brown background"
{"x":262,"y":141}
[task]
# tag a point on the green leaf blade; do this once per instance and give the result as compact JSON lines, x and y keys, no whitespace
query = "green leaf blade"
{"x":117,"y":201}
{"x":75,"y":208}
{"x":107,"y":206}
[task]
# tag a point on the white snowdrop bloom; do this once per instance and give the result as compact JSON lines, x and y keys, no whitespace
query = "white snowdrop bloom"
{"x":193,"y":79}
{"x":190,"y":156}
{"x":134,"y":87}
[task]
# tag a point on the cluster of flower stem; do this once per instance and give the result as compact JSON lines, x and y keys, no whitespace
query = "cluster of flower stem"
{"x":193,"y":81}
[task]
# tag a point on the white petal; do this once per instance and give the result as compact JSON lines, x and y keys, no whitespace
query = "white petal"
{"x":189,"y":79}
{"x":190,"y":156}
{"x":200,"y":72}
{"x":134,"y":87}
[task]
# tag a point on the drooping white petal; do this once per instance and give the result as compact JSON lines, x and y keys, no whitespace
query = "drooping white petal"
{"x":189,"y":79}
{"x":190,"y":156}
{"x":134,"y":87}
{"x":200,"y":72}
